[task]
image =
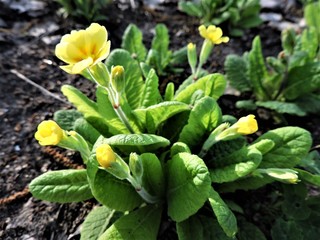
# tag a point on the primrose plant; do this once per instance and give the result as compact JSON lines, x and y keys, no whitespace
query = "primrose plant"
{"x":289,"y":83}
{"x":238,"y":14}
{"x":153,"y":161}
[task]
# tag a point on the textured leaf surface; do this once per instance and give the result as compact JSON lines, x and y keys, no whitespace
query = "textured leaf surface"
{"x":153,"y":116}
{"x":213,"y":85}
{"x":203,"y":118}
{"x":111,"y":192}
{"x":61,"y":186}
{"x":236,"y":69}
{"x":291,"y":145}
{"x":252,"y":159}
{"x":151,"y":94}
{"x":66,"y":118}
{"x":132,"y":42}
{"x":225,"y":216}
{"x":139,"y":224}
{"x":188,"y":185}
{"x":282,"y":107}
{"x":134,"y":82}
{"x":137,"y":142}
{"x":96,"y":223}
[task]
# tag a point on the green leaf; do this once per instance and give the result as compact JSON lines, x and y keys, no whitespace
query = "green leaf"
{"x":303,"y":80}
{"x":282,"y":107}
{"x":142,"y":223}
{"x":190,"y":229}
{"x":311,"y":15}
{"x":188,"y":185}
{"x":160,"y":43}
{"x":286,"y":230}
{"x":246,"y":104}
{"x":248,"y":231}
{"x":139,"y":143}
{"x":213,"y":85}
{"x":252,"y":159}
{"x":151,"y":94}
{"x":191,"y":8}
{"x":224,"y":215}
{"x":236,"y":69}
{"x":153,"y":176}
{"x":113,"y":193}
{"x":96,"y":223}
{"x":308,"y":177}
{"x":66,"y":118}
{"x":132,"y":42}
{"x":86,"y":130}
{"x":309,"y":41}
{"x":134,"y":82}
{"x":291,"y":145}
{"x":153,"y":116}
{"x":203,"y":118}
{"x":309,"y":103}
{"x":110,"y":117}
{"x":257,"y":71}
{"x":169,"y":92}
{"x":62,"y":186}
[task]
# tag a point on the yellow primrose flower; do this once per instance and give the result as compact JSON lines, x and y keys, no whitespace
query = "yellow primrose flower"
{"x":213,"y":34}
{"x":49,"y":133}
{"x":105,"y":155}
{"x":83,"y":48}
{"x":246,"y":125}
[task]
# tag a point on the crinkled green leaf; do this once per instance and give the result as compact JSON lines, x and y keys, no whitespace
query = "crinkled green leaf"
{"x":225,"y":216}
{"x":134,"y":82}
{"x":213,"y":85}
{"x":286,"y":230}
{"x":66,"y":118}
{"x":303,"y":80}
{"x":96,"y":223}
{"x":308,"y":177}
{"x":188,"y":185}
{"x":203,"y":118}
{"x":113,"y":193}
{"x":86,"y":130}
{"x":153,"y":116}
{"x":132,"y":42}
{"x":151,"y":94}
{"x":282,"y":107}
{"x":251,"y":160}
{"x":236,"y":69}
{"x":291,"y":145}
{"x":140,"y":143}
{"x":142,"y":223}
{"x":153,"y":176}
{"x":61,"y":186}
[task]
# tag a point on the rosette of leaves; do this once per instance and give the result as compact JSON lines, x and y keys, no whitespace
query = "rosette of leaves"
{"x":289,"y":83}
{"x":91,"y":10}
{"x":159,"y":56}
{"x":239,"y":14}
{"x":169,"y":132}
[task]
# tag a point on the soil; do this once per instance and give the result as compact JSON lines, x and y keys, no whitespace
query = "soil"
{"x":27,"y":40}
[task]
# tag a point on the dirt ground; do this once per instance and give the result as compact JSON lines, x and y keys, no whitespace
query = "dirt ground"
{"x":27,"y":40}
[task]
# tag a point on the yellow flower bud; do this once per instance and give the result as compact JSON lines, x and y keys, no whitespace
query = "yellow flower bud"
{"x":213,"y":34}
{"x":246,"y":125}
{"x":83,"y":48}
{"x":105,"y":155}
{"x":192,"y":56}
{"x":49,"y":133}
{"x":118,"y":78}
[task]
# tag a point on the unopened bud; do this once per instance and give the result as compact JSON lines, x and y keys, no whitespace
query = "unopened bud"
{"x":118,"y":78}
{"x":192,"y":56}
{"x":105,"y":155}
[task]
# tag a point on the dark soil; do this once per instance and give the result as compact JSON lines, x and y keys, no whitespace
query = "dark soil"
{"x":27,"y":41}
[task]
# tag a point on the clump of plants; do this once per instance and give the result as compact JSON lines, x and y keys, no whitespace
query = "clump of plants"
{"x":158,"y":57}
{"x":91,"y":10}
{"x":153,"y":159}
{"x":239,"y":15}
{"x":288,"y":83}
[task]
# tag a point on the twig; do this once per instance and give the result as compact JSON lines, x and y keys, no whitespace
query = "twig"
{"x":42,"y":89}
{"x":25,"y":192}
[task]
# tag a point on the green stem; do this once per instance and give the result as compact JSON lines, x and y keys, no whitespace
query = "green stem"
{"x":142,"y":191}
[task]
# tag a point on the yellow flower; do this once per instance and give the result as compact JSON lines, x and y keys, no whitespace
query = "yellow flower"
{"x":49,"y":133}
{"x":246,"y":125}
{"x":213,"y":34}
{"x":105,"y":155}
{"x":83,"y":48}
